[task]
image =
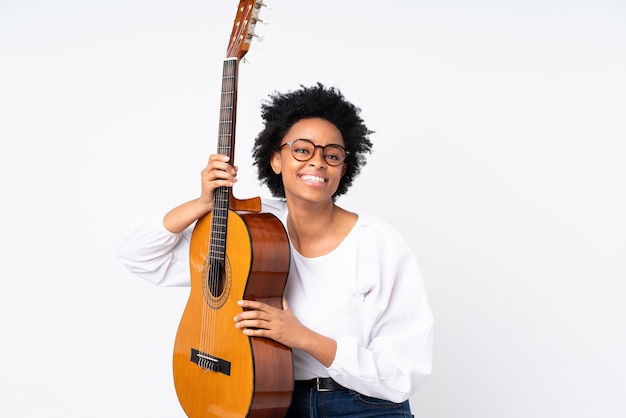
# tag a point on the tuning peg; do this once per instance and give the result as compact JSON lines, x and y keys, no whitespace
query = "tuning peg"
{"x":259,"y":38}
{"x":261,"y":4}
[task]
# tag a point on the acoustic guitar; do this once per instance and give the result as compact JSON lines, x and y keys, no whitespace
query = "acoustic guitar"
{"x":236,"y":253}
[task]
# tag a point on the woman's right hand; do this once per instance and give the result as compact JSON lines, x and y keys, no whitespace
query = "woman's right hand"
{"x":217,"y":173}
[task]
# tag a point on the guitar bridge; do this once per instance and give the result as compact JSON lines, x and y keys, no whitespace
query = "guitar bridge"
{"x":209,"y":362}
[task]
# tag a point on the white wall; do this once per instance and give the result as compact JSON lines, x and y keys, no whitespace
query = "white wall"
{"x":499,"y":153}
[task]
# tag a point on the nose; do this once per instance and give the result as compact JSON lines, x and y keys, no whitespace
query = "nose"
{"x":315,"y":159}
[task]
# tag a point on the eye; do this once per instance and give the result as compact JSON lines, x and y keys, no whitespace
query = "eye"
{"x":333,"y":153}
{"x":301,"y":149}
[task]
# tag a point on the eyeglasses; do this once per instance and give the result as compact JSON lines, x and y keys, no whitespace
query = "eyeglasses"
{"x":303,"y":150}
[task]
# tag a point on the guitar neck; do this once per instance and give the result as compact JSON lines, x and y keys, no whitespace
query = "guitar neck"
{"x":227,"y":123}
{"x":226,"y":146}
{"x":223,"y":198}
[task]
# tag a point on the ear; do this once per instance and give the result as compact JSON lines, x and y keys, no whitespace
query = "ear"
{"x":275,"y":162}
{"x":344,"y":168}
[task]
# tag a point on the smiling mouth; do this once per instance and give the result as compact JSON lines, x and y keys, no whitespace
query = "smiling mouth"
{"x":315,"y":179}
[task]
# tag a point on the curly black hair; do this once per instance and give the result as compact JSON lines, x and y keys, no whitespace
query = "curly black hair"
{"x":281,"y":110}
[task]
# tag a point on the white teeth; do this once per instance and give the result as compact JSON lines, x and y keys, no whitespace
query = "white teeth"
{"x":313,"y":178}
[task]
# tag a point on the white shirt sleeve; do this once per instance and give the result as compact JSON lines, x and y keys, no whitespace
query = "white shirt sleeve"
{"x":153,"y":253}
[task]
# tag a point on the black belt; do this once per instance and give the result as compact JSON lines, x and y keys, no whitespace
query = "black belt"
{"x":320,"y":384}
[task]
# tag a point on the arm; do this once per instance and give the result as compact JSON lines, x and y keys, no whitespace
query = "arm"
{"x":391,"y":354}
{"x":281,"y":325}
{"x":156,"y":247}
{"x":396,"y":357}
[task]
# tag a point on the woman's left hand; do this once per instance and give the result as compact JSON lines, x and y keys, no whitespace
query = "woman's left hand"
{"x":262,"y":320}
{"x":281,"y":325}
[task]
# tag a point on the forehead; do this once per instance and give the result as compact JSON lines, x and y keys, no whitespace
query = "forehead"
{"x":319,"y":131}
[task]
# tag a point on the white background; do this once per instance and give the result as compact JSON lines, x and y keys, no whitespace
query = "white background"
{"x":499,"y":153}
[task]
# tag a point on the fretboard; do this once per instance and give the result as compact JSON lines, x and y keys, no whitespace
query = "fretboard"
{"x":226,"y":146}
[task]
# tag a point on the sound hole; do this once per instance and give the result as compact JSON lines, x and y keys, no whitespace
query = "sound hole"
{"x":216,"y":281}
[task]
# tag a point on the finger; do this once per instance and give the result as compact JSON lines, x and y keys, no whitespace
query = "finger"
{"x":220,"y":162}
{"x":256,"y":332}
{"x":219,"y":170}
{"x":219,"y":157}
{"x":217,"y":177}
{"x":252,"y":323}
{"x":218,"y":181}
{"x":252,"y":315}
{"x":253,"y":304}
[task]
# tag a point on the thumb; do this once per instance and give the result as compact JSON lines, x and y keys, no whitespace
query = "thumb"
{"x":285,"y":304}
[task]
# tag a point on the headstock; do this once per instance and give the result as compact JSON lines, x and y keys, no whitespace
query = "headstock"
{"x":243,"y":28}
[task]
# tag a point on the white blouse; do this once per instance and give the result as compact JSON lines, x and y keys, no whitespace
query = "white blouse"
{"x":367,"y":294}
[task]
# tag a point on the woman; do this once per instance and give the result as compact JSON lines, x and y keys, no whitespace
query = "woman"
{"x":355,"y":313}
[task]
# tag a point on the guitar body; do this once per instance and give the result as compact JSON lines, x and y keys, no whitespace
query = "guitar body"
{"x":219,"y":371}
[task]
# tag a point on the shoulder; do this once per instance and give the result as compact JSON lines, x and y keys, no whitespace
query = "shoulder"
{"x":380,"y":236}
{"x":374,"y":225}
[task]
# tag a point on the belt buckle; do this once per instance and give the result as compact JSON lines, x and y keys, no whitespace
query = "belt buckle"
{"x":318,"y":387}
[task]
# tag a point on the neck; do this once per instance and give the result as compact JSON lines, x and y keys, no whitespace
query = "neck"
{"x":310,"y":221}
{"x":315,"y":230}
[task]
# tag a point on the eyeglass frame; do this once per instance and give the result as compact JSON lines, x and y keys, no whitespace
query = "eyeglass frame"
{"x":315,"y":147}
